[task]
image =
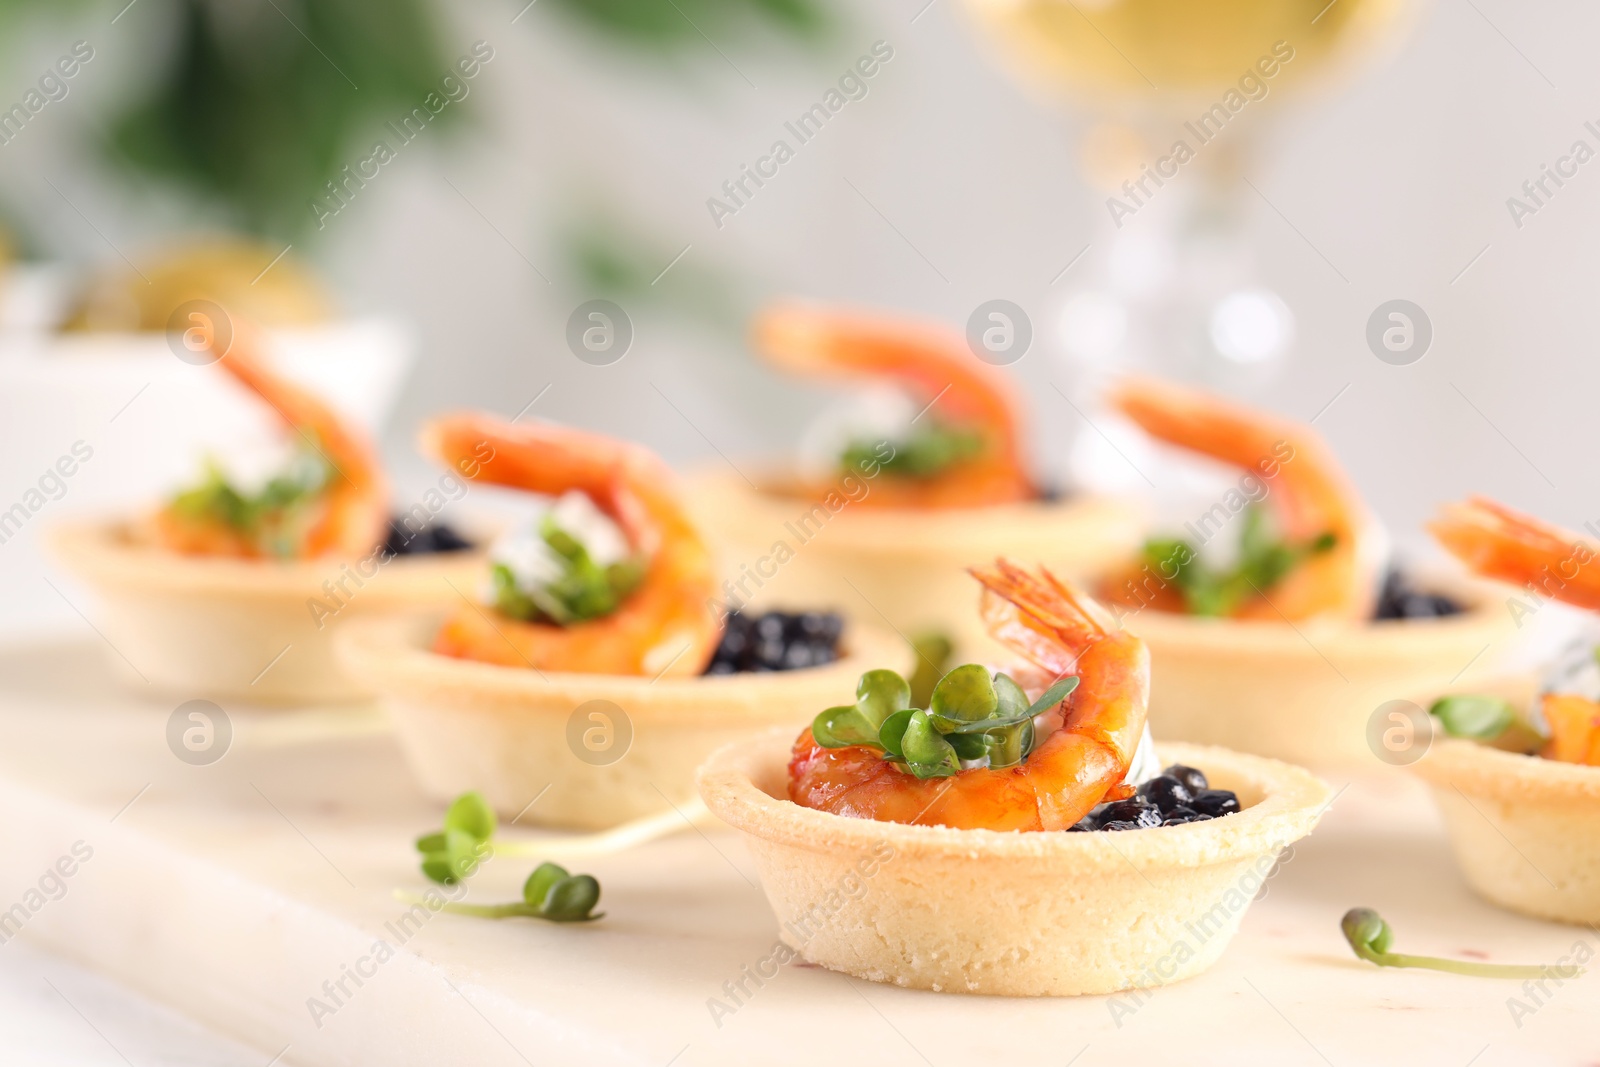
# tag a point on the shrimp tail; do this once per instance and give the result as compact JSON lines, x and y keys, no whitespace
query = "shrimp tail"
{"x":1507,"y":545}
{"x":1040,"y":616}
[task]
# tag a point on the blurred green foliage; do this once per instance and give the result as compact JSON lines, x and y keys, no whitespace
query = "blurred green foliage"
{"x":260,"y":106}
{"x":660,"y":23}
{"x":259,"y":103}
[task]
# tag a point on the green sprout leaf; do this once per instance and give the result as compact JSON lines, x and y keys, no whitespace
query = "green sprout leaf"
{"x":928,"y":451}
{"x":550,"y":893}
{"x":1010,"y":700}
{"x":543,"y":879}
{"x":584,"y":590}
{"x":572,"y":900}
{"x":275,"y":518}
{"x":1369,"y":937}
{"x":843,"y":726}
{"x":893,"y":731}
{"x":471,"y":814}
{"x":933,"y":657}
{"x":1053,"y":696}
{"x":967,"y":694}
{"x":1490,"y":720}
{"x":452,"y":856}
{"x":972,"y":717}
{"x":880,"y":694}
{"x":969,"y":746}
{"x":1479,"y":718}
{"x":455,"y":851}
{"x":1264,"y":560}
{"x":928,"y":754}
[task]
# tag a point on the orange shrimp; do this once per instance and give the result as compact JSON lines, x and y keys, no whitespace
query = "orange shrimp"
{"x":1307,"y":490}
{"x":664,"y":625}
{"x":1498,"y":542}
{"x":934,"y":365}
{"x":1059,"y":631}
{"x":349,"y":516}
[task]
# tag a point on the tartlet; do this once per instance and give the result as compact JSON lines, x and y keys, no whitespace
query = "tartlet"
{"x":926,"y":471}
{"x":513,"y":733}
{"x":259,"y":630}
{"x":905,"y":566}
{"x":1011,"y":914}
{"x":1525,"y":830}
{"x":1304,"y":693}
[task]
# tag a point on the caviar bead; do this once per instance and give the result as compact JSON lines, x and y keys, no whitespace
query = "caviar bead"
{"x":1193,"y":780}
{"x":1179,"y":815}
{"x":1166,"y":793}
{"x":1399,"y":599}
{"x":1216,"y":802}
{"x":777,"y":641}
{"x":1136,"y":810}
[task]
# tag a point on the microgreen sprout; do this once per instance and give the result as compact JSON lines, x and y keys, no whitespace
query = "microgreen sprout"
{"x":1369,"y":936}
{"x":585,"y":589}
{"x":272,"y":518}
{"x":453,"y":852}
{"x":970,"y":716}
{"x":550,"y":893}
{"x":1489,"y":719}
{"x":926,"y":452}
{"x":1264,"y":560}
{"x":933,"y":651}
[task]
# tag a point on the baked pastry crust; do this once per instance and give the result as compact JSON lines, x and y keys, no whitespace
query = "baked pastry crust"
{"x":1013,"y":914}
{"x":210,"y":626}
{"x":1525,"y":830}
{"x":515,"y":733}
{"x":1304,"y":693}
{"x":910,"y":565}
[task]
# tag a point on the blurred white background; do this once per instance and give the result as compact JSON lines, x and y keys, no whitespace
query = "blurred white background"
{"x":1396,"y":180}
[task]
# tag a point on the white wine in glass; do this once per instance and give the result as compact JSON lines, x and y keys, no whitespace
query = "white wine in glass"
{"x":1154,"y":52}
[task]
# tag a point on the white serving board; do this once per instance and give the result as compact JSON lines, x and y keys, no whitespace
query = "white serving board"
{"x":233,"y":891}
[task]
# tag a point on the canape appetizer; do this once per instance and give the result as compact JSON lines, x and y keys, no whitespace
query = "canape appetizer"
{"x":234,"y":591}
{"x":891,"y":502}
{"x":598,"y":671}
{"x":928,"y":846}
{"x":1287,"y":647}
{"x":1518,"y":781}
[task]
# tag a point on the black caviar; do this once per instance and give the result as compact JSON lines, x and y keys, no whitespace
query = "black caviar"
{"x":1399,"y":599}
{"x":1176,"y":796}
{"x":777,"y":641}
{"x":437,"y":537}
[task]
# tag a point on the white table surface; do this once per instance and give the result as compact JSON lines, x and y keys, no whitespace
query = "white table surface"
{"x":231,"y":892}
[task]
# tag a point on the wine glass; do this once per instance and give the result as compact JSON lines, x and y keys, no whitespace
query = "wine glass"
{"x":1173,"y":88}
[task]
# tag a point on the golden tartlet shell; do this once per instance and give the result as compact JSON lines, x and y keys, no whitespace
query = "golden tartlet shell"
{"x":245,"y":629}
{"x":1525,"y":830}
{"x":597,"y":750}
{"x":1012,"y":914}
{"x":906,"y":565}
{"x":1305,"y":692}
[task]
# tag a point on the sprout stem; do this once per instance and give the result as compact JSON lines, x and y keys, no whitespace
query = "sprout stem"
{"x":1479,"y":970}
{"x":1370,"y":936}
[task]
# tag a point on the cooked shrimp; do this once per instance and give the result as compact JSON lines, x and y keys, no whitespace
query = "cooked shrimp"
{"x":1506,"y":545}
{"x":1059,"y":631}
{"x":349,"y":514}
{"x":1498,"y":542}
{"x":1307,"y":490}
{"x":932,"y":364}
{"x":663,"y":626}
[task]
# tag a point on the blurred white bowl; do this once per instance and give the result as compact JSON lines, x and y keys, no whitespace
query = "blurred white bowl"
{"x":149,"y":420}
